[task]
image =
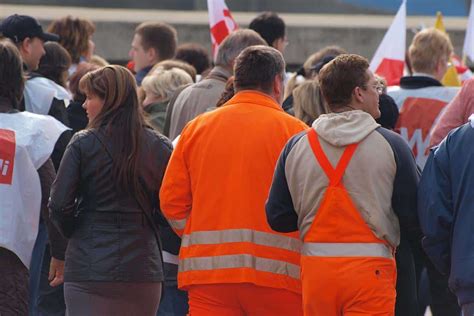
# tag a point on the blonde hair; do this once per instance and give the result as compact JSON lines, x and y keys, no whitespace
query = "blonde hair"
{"x":99,"y":61}
{"x":174,"y":63}
{"x":312,"y":60}
{"x":308,"y":102}
{"x":163,"y":83}
{"x":428,"y":47}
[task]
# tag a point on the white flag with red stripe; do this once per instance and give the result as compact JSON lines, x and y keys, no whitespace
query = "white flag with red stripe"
{"x":221,"y":22}
{"x":389,"y":59}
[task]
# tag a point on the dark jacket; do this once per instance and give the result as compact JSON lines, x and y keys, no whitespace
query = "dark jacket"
{"x":141,"y":74}
{"x":57,"y":109}
{"x":77,"y":116}
{"x":446,"y":210}
{"x":418,"y":82}
{"x":288,"y":105}
{"x":111,"y":239}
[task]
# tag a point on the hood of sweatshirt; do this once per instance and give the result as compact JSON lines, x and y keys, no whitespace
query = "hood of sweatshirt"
{"x":342,"y":129}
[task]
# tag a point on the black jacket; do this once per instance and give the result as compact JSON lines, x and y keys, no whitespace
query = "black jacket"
{"x":418,"y":82}
{"x":77,"y":116}
{"x":111,"y":239}
{"x":57,"y":109}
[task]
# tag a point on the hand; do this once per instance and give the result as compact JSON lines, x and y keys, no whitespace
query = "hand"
{"x":56,"y":272}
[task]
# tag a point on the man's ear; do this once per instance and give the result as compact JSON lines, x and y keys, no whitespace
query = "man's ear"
{"x":275,"y":43}
{"x":277,"y":85}
{"x":357,"y":95}
{"x":441,"y":67}
{"x":25,"y":46}
{"x":152,"y":55}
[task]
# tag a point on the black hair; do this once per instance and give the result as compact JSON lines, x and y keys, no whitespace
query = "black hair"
{"x":269,"y":25}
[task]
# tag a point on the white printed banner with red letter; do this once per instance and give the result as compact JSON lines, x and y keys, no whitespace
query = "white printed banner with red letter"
{"x":419,"y":110}
{"x":389,"y":58}
{"x":26,"y":142}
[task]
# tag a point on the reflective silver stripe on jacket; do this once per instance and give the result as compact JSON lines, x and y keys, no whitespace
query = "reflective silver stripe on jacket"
{"x":215,"y":237}
{"x":346,"y":250}
{"x":240,"y":261}
{"x":178,"y":224}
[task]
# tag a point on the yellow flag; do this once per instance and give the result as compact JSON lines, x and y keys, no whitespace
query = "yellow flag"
{"x":451,"y":78}
{"x":439,"y":25}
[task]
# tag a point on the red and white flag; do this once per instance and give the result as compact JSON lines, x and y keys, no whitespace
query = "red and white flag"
{"x":463,"y":71}
{"x":389,"y":59}
{"x":220,"y":22}
{"x":468,"y":49}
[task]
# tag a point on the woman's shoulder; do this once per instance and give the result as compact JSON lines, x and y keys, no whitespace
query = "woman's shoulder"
{"x":157,"y":139}
{"x":81,"y":136}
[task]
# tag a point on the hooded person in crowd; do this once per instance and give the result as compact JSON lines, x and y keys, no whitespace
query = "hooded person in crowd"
{"x":347,"y":186}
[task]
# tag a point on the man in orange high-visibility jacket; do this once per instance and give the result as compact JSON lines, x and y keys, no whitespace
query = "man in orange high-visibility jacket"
{"x":347,"y":185}
{"x":214,"y":192}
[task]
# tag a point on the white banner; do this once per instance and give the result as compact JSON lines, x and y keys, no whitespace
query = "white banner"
{"x":26,"y":142}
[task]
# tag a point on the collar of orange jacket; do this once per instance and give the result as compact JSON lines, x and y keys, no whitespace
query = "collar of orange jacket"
{"x":254,"y":97}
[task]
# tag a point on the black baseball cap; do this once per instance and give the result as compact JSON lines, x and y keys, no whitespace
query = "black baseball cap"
{"x":18,"y":27}
{"x":326,"y":59}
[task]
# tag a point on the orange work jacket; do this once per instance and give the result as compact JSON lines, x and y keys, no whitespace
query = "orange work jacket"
{"x":214,"y":191}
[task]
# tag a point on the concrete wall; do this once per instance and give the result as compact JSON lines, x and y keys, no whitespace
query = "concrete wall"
{"x":307,"y":33}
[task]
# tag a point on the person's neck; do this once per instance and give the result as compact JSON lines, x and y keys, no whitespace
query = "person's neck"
{"x":345,"y":108}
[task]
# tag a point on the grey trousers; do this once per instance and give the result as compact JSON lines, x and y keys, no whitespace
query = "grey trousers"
{"x":112,"y":298}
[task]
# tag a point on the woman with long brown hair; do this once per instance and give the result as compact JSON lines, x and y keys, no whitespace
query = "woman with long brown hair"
{"x":104,"y":200}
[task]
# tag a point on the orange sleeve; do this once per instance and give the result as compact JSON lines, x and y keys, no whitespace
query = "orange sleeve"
{"x":175,"y":192}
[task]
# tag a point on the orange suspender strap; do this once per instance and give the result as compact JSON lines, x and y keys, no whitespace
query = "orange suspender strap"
{"x":334,"y":175}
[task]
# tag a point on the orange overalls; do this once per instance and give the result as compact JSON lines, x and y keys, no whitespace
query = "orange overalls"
{"x":345,"y":268}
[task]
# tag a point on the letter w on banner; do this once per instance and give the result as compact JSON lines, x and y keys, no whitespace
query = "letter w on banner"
{"x":220,"y":22}
{"x":389,"y":59}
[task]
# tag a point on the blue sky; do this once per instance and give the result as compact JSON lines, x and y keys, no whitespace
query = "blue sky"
{"x":416,"y":7}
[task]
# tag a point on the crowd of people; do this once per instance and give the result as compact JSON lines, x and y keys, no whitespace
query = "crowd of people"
{"x":184,"y":184}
